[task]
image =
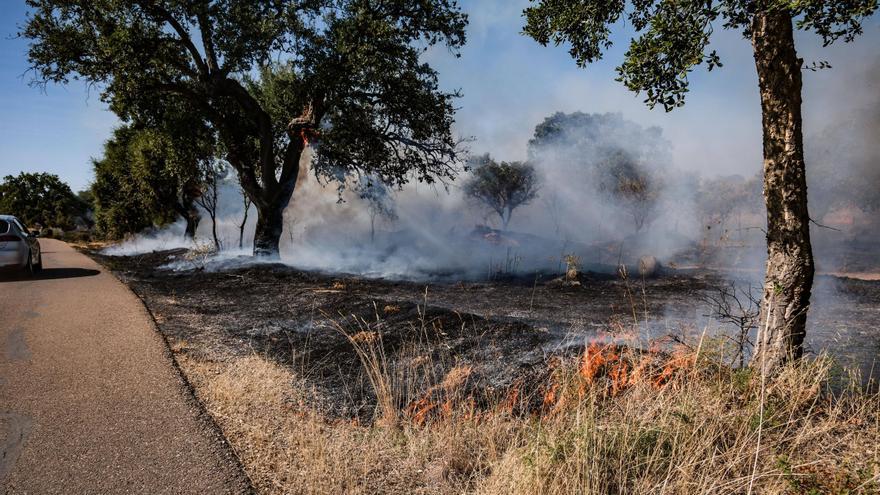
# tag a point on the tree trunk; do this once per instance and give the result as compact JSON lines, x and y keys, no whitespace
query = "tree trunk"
{"x":267,"y":237}
{"x":247,"y":206}
{"x":192,"y":223}
{"x":214,"y":232}
{"x":192,"y":217}
{"x":789,"y":272}
{"x":270,"y":221}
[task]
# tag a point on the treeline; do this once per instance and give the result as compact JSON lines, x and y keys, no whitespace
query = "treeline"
{"x":152,"y":174}
{"x":44,"y":200}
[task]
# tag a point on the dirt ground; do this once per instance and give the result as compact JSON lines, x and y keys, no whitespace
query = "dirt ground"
{"x":503,"y":332}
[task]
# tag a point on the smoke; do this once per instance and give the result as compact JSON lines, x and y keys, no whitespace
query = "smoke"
{"x":154,"y":239}
{"x":434,"y":231}
{"x":843,"y":160}
{"x":610,"y":180}
{"x":426,"y":231}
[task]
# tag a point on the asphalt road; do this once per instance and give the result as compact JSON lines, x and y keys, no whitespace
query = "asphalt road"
{"x":90,"y":401}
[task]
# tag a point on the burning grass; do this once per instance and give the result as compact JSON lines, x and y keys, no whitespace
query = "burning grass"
{"x":355,"y":386}
{"x":611,"y":420}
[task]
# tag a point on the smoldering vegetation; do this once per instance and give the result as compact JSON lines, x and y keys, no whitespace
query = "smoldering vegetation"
{"x":605,"y":193}
{"x":608,"y":207}
{"x":463,"y":386}
{"x":411,"y":328}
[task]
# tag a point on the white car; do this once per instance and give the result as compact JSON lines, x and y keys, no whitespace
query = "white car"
{"x":19,"y":248}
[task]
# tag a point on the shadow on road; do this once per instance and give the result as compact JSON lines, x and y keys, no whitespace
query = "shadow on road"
{"x":48,"y":274}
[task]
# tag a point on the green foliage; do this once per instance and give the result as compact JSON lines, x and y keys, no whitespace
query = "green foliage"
{"x":147,"y":177}
{"x":351,"y":75}
{"x":503,"y":187}
{"x":40,"y":198}
{"x":673,"y":36}
{"x":588,"y":138}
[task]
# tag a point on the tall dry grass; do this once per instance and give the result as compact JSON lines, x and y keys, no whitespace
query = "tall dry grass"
{"x":613,"y":420}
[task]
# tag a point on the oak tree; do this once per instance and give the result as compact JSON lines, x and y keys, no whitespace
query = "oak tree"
{"x":672,"y":38}
{"x":150,"y":176}
{"x":606,"y":156}
{"x":274,"y":79}
{"x":40,"y":198}
{"x":502,"y":186}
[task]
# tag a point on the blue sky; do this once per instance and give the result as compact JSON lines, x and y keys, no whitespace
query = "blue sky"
{"x":509,"y":84}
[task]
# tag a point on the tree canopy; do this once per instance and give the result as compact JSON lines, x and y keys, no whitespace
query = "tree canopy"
{"x":147,"y":177}
{"x":271,"y":78}
{"x":40,"y":198}
{"x":502,"y":186}
{"x":604,"y":155}
{"x":673,"y":37}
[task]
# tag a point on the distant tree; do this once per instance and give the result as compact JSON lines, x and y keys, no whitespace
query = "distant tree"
{"x":585,"y":139}
{"x":380,"y":202}
{"x":40,"y":198}
{"x":673,"y":37}
{"x":120,"y":208}
{"x":630,"y":186}
{"x":148,"y":177}
{"x":503,"y":187}
{"x":353,"y":87}
{"x":209,"y":199}
{"x":606,"y":155}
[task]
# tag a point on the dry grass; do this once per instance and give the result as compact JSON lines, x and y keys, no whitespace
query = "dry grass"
{"x":287,"y":446}
{"x":613,"y":421}
{"x":701,"y":432}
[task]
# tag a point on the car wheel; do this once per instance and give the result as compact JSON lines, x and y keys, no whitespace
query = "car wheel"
{"x":39,"y":266}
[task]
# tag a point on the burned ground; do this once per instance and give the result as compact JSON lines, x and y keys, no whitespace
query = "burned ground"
{"x":501,"y":332}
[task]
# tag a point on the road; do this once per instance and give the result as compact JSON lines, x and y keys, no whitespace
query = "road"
{"x":90,"y":401}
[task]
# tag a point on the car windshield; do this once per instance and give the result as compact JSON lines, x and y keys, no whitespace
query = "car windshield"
{"x":4,"y":226}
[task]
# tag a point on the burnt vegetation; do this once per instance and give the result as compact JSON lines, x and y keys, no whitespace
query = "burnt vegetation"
{"x":562,"y":346}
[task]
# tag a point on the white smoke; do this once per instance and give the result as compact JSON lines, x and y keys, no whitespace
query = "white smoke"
{"x":436,"y":232}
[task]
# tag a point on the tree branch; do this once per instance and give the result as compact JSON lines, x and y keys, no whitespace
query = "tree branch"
{"x":252,"y":107}
{"x":185,"y":39}
{"x":207,"y":32}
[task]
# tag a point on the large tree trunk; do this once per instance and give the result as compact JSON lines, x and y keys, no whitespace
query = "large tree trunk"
{"x":267,"y":237}
{"x":270,"y":221}
{"x":269,"y":191}
{"x":789,"y":272}
{"x":192,"y":217}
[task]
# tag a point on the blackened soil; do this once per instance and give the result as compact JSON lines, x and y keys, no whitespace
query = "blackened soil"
{"x":501,"y":332}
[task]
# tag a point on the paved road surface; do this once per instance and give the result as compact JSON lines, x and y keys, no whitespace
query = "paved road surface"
{"x":89,"y":399}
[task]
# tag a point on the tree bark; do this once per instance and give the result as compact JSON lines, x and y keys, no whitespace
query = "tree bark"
{"x":247,"y":207}
{"x":192,"y":217}
{"x":789,"y":271}
{"x":267,"y":237}
{"x":269,"y":192}
{"x":270,"y":221}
